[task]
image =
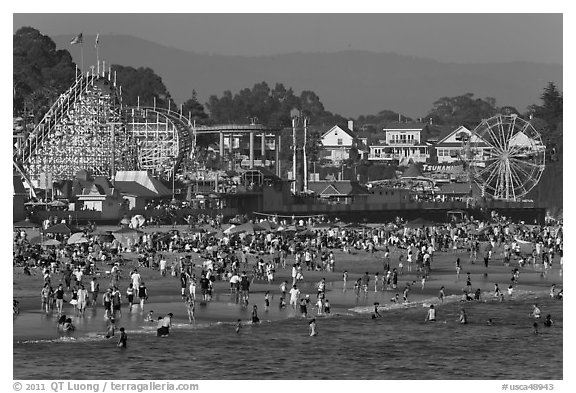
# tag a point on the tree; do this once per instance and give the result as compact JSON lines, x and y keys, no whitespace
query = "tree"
{"x":462,"y":110}
{"x":142,"y":85}
{"x":38,"y":68}
{"x":194,"y":108}
{"x":550,"y":112}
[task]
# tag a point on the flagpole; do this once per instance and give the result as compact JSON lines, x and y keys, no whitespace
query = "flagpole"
{"x":82,"y":55}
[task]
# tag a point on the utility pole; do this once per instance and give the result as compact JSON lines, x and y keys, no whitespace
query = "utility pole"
{"x":304,"y":154}
{"x":294,"y":154}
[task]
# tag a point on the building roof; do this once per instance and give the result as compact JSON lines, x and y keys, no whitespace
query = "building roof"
{"x":412,"y":171}
{"x":338,"y":128}
{"x":140,"y":183}
{"x":337,"y":188}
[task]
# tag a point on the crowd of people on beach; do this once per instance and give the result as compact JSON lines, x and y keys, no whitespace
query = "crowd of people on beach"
{"x":243,"y":258}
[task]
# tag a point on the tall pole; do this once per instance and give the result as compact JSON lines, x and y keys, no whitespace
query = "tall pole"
{"x":294,"y":154}
{"x":304,"y":154}
{"x":82,"y":55}
{"x":98,"y":54}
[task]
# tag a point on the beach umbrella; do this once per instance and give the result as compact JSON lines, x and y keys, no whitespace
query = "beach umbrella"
{"x":306,"y":233}
{"x":35,"y":240}
{"x":25,"y":224}
{"x":105,"y":237}
{"x":127,"y":235}
{"x":267,"y":225}
{"x":137,"y":221}
{"x":62,"y":229}
{"x":247,"y":227}
{"x":50,"y":242}
{"x":77,"y":238}
{"x":58,"y":203}
{"x":229,"y":229}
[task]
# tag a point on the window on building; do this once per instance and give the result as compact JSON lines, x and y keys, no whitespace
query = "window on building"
{"x":340,"y":142}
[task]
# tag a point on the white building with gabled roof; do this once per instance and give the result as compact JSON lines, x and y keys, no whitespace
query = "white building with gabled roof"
{"x":336,"y":144}
{"x":450,"y":147}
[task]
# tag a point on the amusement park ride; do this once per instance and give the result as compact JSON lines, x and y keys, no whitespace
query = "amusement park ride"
{"x":504,"y":156}
{"x":88,"y":127}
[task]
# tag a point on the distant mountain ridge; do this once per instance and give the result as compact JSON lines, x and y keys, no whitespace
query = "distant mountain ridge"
{"x":350,"y":83}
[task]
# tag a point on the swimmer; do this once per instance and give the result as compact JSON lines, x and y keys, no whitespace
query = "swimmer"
{"x":431,"y":314}
{"x":190,"y":307}
{"x":110,"y":327}
{"x":303,"y":309}
{"x":123,"y":341}
{"x":255,"y":318}
{"x":312,"y":327}
{"x":376,"y":314}
{"x":548,"y":322}
{"x":238,"y":326}
{"x":441,"y":294}
{"x":149,"y":317}
{"x":266,"y":301}
{"x":67,"y":326}
{"x":61,"y":321}
{"x":535,"y":328}
{"x":490,"y":322}
{"x":463,"y":317}
{"x":535,"y":311}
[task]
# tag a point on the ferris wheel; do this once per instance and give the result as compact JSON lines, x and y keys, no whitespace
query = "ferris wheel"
{"x":506,"y":157}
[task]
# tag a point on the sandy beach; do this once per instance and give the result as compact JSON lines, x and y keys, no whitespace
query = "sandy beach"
{"x":164,"y":292}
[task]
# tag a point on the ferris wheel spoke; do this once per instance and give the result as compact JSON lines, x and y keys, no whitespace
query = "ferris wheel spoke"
{"x":496,"y":142}
{"x":487,"y":168}
{"x":528,"y":174}
{"x":521,"y":184}
{"x":537,"y":167}
{"x":510,"y":134}
{"x":515,"y":182}
{"x":501,"y":134}
{"x":492,"y":175}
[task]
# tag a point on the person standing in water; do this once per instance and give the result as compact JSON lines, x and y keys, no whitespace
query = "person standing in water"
{"x":463,"y":317}
{"x":142,"y":294}
{"x":190,"y":306}
{"x":431,"y":314}
{"x":123,"y":341}
{"x":255,"y":318}
{"x":441,"y":294}
{"x":312,"y":327}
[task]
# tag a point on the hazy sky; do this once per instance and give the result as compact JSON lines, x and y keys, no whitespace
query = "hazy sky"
{"x":458,"y":38}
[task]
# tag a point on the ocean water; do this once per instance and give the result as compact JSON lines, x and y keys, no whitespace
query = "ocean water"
{"x":352,"y":345}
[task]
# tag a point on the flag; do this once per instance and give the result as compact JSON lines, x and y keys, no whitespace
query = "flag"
{"x":77,"y":39}
{"x":97,"y":40}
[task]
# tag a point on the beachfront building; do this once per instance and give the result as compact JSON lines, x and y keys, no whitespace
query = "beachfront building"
{"x":402,"y":142}
{"x":103,"y":198}
{"x":451,"y":148}
{"x":139,"y":188}
{"x":336,"y":144}
{"x":338,"y":191}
